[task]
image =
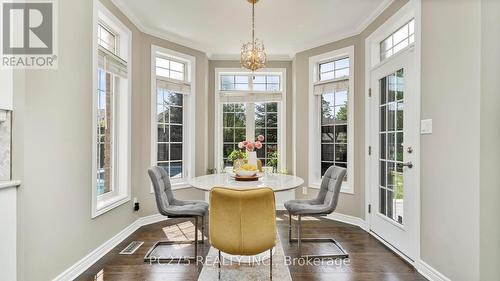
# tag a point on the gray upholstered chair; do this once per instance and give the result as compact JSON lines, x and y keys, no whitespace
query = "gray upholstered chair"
{"x":171,"y":207}
{"x":324,"y":204}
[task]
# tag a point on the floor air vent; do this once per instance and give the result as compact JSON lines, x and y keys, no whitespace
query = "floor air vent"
{"x":131,"y":248}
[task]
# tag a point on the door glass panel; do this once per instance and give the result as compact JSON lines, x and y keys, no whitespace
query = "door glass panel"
{"x":391,"y":130}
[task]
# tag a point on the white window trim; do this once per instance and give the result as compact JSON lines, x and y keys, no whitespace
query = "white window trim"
{"x":189,"y":110}
{"x":315,"y":119}
{"x":121,"y":169}
{"x":218,"y":139}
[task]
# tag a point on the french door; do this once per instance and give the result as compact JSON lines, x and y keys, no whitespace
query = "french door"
{"x":394,"y":132}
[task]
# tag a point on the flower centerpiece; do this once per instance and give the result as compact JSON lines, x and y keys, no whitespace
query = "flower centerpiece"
{"x":250,"y":147}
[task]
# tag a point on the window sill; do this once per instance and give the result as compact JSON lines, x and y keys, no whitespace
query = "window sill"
{"x":103,"y":206}
{"x":346,"y":189}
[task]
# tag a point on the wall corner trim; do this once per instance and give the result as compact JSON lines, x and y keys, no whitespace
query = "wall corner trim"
{"x":430,"y":273}
{"x":83,"y":264}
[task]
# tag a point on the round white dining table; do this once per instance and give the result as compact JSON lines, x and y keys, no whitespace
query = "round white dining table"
{"x":278,"y":182}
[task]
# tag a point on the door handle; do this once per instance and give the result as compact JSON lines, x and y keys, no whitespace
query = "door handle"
{"x":408,"y":164}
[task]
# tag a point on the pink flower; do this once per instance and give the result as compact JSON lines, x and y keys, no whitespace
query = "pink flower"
{"x":250,"y":146}
{"x":245,"y":143}
{"x":260,"y":138}
{"x":241,"y":145}
{"x":258,"y":145}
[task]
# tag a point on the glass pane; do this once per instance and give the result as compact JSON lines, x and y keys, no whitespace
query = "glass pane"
{"x":341,"y":133}
{"x":162,"y":152}
{"x":341,"y":152}
{"x":239,"y":107}
{"x":228,"y":119}
{"x":326,"y":67}
{"x":174,"y":98}
{"x":327,"y":152}
{"x":175,"y":170}
{"x":228,"y":148}
{"x":273,"y":87}
{"x":239,"y":120}
{"x":328,"y":100}
{"x":175,"y":115}
{"x":400,"y":116}
{"x":177,"y":66}
{"x":400,"y":46}
{"x":391,"y":116}
{"x":341,"y":113}
{"x":383,"y":175}
{"x":239,"y":135}
{"x":390,"y":205}
{"x":176,"y":133}
{"x":382,"y":205}
{"x":391,"y":85}
{"x":272,"y":135}
{"x":272,"y":107}
{"x":327,"y":76}
{"x":241,"y":79}
{"x":259,"y":87}
{"x":383,"y":119}
{"x":412,"y":27}
{"x":327,"y":134}
{"x":390,"y":175}
{"x":399,"y":146}
{"x":275,"y":79}
{"x":176,"y":75}
{"x":176,"y":151}
{"x":162,"y":72}
{"x":343,"y":63}
{"x":383,"y":90}
{"x":386,"y":44}
{"x":272,"y":120}
{"x":163,"y":133}
{"x":163,"y":63}
{"x":399,"y":194}
{"x":342,"y":73}
{"x":401,"y":34}
{"x":391,"y":146}
{"x":228,"y":107}
{"x":228,"y":135}
{"x":383,"y":146}
{"x":341,"y":98}
{"x":328,"y":116}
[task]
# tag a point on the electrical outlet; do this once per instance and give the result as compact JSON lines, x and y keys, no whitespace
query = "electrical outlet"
{"x":426,"y":127}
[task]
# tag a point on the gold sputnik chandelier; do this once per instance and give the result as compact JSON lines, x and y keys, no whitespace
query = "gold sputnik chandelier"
{"x":253,"y":55}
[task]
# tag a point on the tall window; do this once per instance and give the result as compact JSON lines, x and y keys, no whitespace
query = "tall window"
{"x":173,"y":114}
{"x":331,"y":116}
{"x":250,"y":105}
{"x":111,"y":113}
{"x":397,"y":41}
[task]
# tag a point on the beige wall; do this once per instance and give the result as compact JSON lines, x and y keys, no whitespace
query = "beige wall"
{"x":450,"y":177}
{"x":349,"y":204}
{"x":490,"y":136}
{"x":213,"y":64}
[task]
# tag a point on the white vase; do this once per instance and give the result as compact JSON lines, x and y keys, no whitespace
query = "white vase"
{"x":252,"y":158}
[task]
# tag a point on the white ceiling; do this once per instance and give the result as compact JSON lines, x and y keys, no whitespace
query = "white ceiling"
{"x":219,"y":27}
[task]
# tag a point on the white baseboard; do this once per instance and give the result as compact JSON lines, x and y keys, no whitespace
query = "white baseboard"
{"x":348,"y":219}
{"x":430,"y":273}
{"x":80,"y":266}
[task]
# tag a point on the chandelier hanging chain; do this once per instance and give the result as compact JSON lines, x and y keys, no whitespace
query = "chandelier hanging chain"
{"x":253,"y":55}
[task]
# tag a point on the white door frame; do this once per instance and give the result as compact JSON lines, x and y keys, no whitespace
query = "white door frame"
{"x":372,"y":59}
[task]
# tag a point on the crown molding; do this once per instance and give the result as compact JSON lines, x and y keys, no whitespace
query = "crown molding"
{"x":204,"y":48}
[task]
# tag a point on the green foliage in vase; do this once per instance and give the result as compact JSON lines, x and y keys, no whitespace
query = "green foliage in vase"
{"x":237,"y":154}
{"x":273,"y":160}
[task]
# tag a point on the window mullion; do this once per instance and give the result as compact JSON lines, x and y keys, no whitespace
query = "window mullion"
{"x":250,"y":121}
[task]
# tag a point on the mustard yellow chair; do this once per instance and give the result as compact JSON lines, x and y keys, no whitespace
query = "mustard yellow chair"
{"x":242,"y":222}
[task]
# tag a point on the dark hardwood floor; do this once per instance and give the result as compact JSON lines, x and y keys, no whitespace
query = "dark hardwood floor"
{"x":369,"y":259}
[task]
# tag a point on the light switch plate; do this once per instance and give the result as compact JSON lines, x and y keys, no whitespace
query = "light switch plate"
{"x":426,"y":126}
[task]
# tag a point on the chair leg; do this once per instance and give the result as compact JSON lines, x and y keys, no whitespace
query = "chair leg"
{"x":299,"y":226}
{"x":271,"y":263}
{"x":196,"y":236}
{"x":203,"y":229}
{"x":343,"y":254}
{"x":289,"y":227}
{"x":220,"y":261}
